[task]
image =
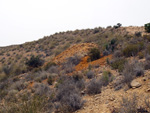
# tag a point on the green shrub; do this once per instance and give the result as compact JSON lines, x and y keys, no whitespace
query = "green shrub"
{"x":106,"y":78}
{"x":94,"y":54}
{"x":132,"y":49}
{"x":118,"y":63}
{"x":147,"y":27}
{"x":34,"y":62}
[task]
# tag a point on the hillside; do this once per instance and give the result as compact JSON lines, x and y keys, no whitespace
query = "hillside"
{"x":100,"y":70}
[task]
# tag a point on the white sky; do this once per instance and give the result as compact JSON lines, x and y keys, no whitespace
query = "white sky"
{"x":28,"y":20}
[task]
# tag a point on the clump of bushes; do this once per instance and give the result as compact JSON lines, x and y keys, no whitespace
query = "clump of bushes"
{"x":94,"y":86}
{"x":132,"y":49}
{"x":41,"y":89}
{"x":70,"y":63}
{"x":128,"y":105}
{"x":48,"y":65}
{"x":141,"y":55}
{"x":90,"y":74}
{"x":118,"y":63}
{"x":34,"y":62}
{"x":68,"y":96}
{"x":94,"y":54}
{"x":32,"y":105}
{"x":132,"y":70}
{"x":147,"y":62}
{"x":117,"y":54}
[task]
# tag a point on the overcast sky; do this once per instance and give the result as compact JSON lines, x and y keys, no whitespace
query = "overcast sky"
{"x":28,"y":20}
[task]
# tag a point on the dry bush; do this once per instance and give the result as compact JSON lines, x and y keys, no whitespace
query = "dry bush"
{"x":41,"y":89}
{"x":90,"y":74}
{"x":132,"y":70}
{"x":68,"y":96}
{"x":94,"y":87}
{"x":128,"y":105}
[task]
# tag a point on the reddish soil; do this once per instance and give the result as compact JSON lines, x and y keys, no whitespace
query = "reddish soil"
{"x":84,"y":63}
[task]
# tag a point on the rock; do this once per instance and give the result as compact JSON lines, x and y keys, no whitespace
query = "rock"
{"x":148,"y":90}
{"x":135,"y":84}
{"x":144,"y":78}
{"x":111,"y":98}
{"x":83,"y":92}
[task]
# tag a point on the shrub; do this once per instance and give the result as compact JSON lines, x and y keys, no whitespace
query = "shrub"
{"x":117,"y":26}
{"x":7,"y":69}
{"x":77,"y":76}
{"x":50,"y":80}
{"x":147,"y":27}
{"x":53,"y":69}
{"x":106,"y":53}
{"x":19,"y":85}
{"x":106,"y":78}
{"x":80,"y":84}
{"x":117,"y":54}
{"x":74,"y":60}
{"x":118,"y":63}
{"x":138,"y":34}
{"x":34,"y":62}
{"x":94,"y":54}
{"x":90,"y":74}
{"x":147,"y":37}
{"x":70,"y":63}
{"x":131,"y":50}
{"x":128,"y":105}
{"x":48,"y":65}
{"x":94,"y":87}
{"x":68,"y":97}
{"x":148,"y":49}
{"x":141,"y":55}
{"x":147,"y":57}
{"x":41,"y":89}
{"x":147,"y":62}
{"x":132,"y":70}
{"x":35,"y":104}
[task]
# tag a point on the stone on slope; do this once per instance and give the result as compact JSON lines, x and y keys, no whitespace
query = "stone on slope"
{"x":135,"y":84}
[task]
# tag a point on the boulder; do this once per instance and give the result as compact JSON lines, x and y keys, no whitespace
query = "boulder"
{"x":135,"y":84}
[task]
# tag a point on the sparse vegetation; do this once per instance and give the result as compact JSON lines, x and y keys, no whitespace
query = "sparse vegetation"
{"x":26,"y":85}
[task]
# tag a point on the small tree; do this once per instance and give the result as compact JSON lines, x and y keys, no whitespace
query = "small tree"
{"x":147,"y":27}
{"x":117,"y":26}
{"x":94,"y":54}
{"x":34,"y":62}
